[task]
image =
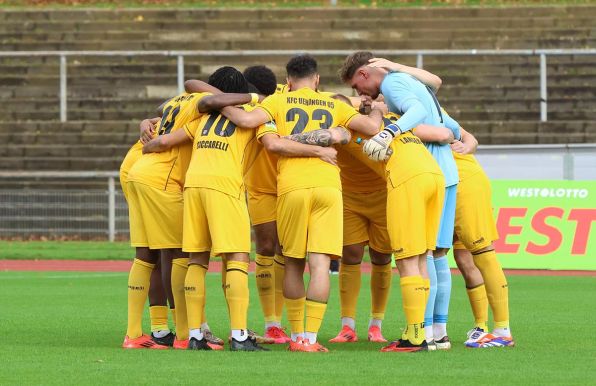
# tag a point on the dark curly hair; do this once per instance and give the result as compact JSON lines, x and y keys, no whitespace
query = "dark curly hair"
{"x":228,"y":79}
{"x":262,"y":78}
{"x":301,"y":66}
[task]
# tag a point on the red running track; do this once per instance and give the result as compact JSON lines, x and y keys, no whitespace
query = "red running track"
{"x":215,"y":266}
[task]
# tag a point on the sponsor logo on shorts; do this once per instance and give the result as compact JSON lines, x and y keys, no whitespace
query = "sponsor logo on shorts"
{"x":136,"y":287}
{"x":190,"y":288}
{"x":480,"y":240}
{"x":265,"y":275}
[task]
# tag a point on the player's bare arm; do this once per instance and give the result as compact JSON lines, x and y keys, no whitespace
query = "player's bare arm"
{"x":467,"y":145}
{"x":246,"y":119}
{"x":430,"y":133}
{"x":323,"y":137}
{"x":165,"y":142}
{"x":195,"y":85}
{"x":147,"y":128}
{"x":219,"y":101}
{"x":288,"y":148}
{"x":424,"y":76}
{"x":368,"y":125}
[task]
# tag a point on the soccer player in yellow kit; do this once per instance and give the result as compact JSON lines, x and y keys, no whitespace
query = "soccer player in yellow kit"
{"x":474,"y":251}
{"x":309,"y":206}
{"x":158,"y":298}
{"x":261,"y":186}
{"x":154,"y":186}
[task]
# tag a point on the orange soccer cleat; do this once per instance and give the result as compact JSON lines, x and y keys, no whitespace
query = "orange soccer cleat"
{"x":375,"y":335}
{"x":180,"y":344}
{"x":346,"y":335}
{"x":143,"y":341}
{"x":278,"y":335}
{"x":303,"y":345}
{"x":404,"y":345}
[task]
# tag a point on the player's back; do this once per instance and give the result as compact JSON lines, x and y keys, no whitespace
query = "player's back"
{"x":220,"y":155}
{"x":467,"y":165}
{"x":166,"y":170}
{"x":301,"y":111}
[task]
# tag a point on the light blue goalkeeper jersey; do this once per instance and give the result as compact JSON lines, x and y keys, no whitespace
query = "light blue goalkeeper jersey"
{"x":408,"y":97}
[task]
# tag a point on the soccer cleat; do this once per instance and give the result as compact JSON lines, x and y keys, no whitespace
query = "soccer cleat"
{"x":473,"y":335}
{"x":443,"y":343}
{"x":199,"y":345}
{"x":432,"y":345}
{"x":143,"y":341}
{"x":490,"y":340}
{"x":303,"y":345}
{"x":375,"y":335}
{"x":277,"y":334}
{"x":167,"y":340}
{"x":250,"y":344}
{"x":214,"y":340}
{"x":317,"y":347}
{"x":180,"y":344}
{"x":404,"y":345}
{"x":346,"y":335}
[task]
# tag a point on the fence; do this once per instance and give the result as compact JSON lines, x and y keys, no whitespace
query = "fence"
{"x":103,"y":213}
{"x":182,"y":54}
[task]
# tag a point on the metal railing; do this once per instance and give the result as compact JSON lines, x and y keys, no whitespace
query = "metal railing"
{"x":103,"y":212}
{"x":181,"y":54}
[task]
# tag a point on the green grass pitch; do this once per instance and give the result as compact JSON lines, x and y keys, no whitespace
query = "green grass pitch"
{"x":67,"y":328}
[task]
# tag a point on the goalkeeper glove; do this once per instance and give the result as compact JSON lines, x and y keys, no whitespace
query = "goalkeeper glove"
{"x":378,"y":147}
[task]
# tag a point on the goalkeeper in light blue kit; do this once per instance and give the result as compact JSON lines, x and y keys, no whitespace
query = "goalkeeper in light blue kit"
{"x":416,"y":103}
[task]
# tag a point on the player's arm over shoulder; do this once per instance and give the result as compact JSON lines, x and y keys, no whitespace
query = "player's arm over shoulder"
{"x":430,"y":133}
{"x":165,"y":142}
{"x":323,"y":137}
{"x":288,"y":148}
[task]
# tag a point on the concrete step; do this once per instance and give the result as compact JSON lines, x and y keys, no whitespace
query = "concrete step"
{"x":64,"y":150}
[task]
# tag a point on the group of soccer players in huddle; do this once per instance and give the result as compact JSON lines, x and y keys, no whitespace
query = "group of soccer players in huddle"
{"x":319,"y":176}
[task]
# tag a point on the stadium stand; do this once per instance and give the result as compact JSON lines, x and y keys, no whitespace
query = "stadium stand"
{"x":496,"y":97}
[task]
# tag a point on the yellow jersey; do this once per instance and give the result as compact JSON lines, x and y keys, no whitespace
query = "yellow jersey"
{"x":261,"y":176}
{"x":133,"y":154}
{"x":356,"y":168}
{"x":300,"y":111}
{"x":166,"y":170}
{"x":467,"y":165}
{"x":410,"y":157}
{"x":220,"y":154}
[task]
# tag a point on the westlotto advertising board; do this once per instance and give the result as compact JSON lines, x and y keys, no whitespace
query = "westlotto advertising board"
{"x":545,"y":224}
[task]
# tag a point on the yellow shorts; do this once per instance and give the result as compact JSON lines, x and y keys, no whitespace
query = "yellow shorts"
{"x":413,"y":214}
{"x":262,"y":207}
{"x":215,"y":221}
{"x":310,"y":220}
{"x":155,"y":217}
{"x":365,"y":220}
{"x":475,"y":225}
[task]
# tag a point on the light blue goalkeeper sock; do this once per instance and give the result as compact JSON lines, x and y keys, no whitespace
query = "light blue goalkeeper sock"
{"x":441,"y":311}
{"x":430,"y":304}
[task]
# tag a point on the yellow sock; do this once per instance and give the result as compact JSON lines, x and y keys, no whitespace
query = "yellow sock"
{"x":279,"y":270}
{"x":426,"y":283}
{"x":496,"y":286}
{"x":349,"y":288}
{"x":159,"y":318}
{"x":380,"y":287}
{"x":265,"y":279}
{"x":412,"y":292}
{"x":315,"y":311}
{"x":237,"y":294}
{"x":194,"y":293}
{"x":223,"y":274}
{"x":173,"y":314}
{"x":138,"y":287}
{"x":479,"y":304}
{"x":179,"y":270}
{"x":204,"y":316}
{"x":295,"y":310}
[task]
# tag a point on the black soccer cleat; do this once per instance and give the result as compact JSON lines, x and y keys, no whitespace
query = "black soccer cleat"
{"x":250,"y":344}
{"x":167,"y":340}
{"x":195,"y":344}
